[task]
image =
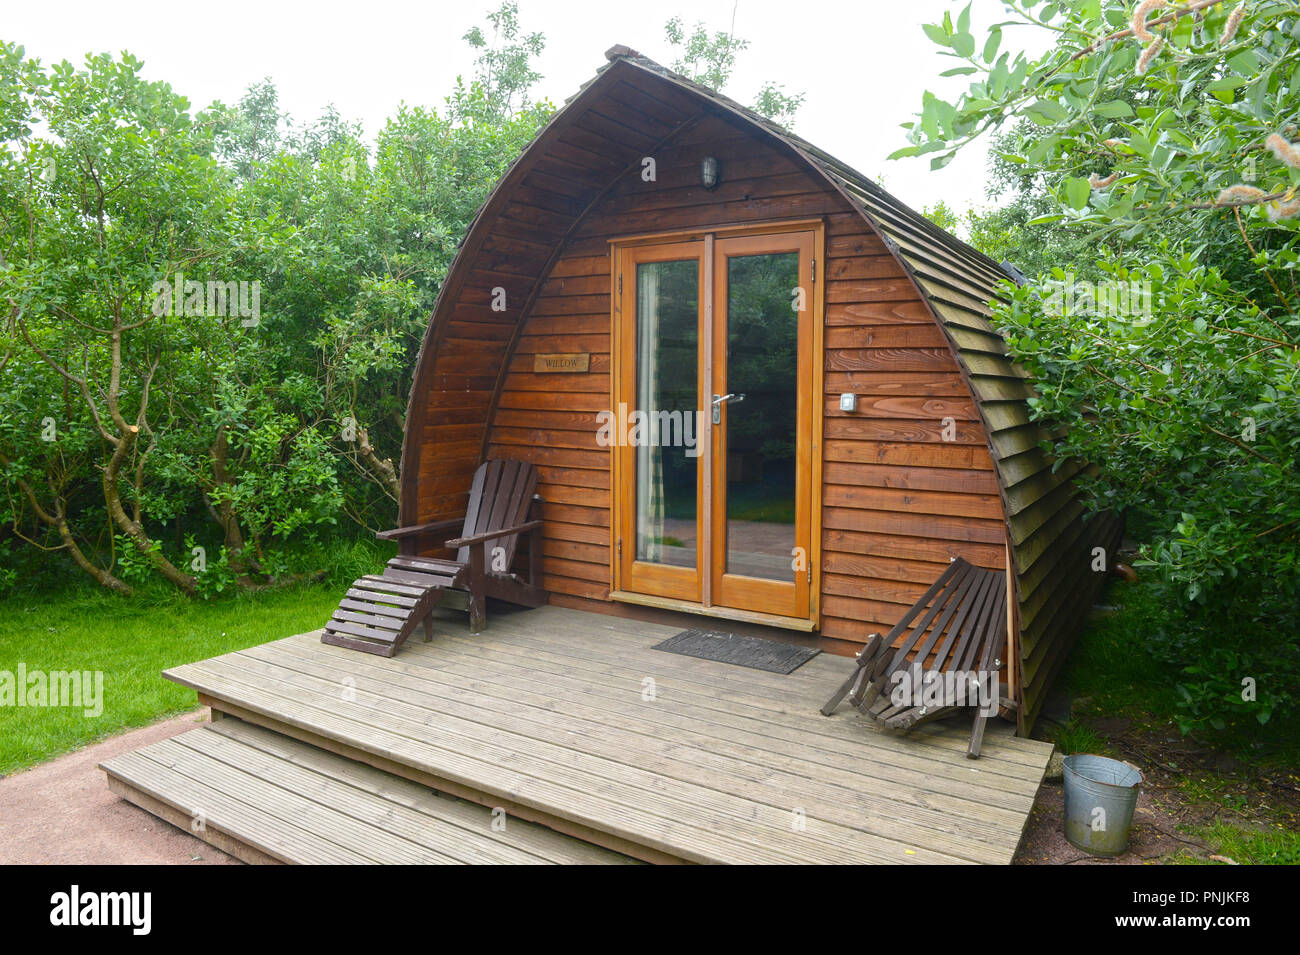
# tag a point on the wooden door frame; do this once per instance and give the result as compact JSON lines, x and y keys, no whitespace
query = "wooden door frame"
{"x":670,"y":581}
{"x":735,"y":590}
{"x":622,"y":365}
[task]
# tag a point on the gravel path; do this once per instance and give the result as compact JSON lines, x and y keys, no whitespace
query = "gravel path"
{"x":62,"y":812}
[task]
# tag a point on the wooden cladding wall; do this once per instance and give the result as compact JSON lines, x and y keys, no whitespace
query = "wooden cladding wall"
{"x":509,"y":249}
{"x":908,"y":483}
{"x":904,"y":489}
{"x":1051,"y":541}
{"x":908,"y":329}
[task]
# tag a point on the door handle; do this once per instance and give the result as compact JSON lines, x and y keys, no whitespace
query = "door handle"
{"x":718,"y":402}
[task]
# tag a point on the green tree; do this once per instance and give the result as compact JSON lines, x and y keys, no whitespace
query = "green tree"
{"x":1163,"y":136}
{"x":121,"y":193}
{"x":249,"y":135}
{"x":210,"y":321}
{"x":710,"y":58}
{"x":505,"y":65}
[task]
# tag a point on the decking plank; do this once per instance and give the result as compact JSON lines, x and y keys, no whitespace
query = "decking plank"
{"x":794,"y":709}
{"x":366,"y":843}
{"x":724,"y":760}
{"x":298,"y":804}
{"x":286,"y":842}
{"x":543,"y":711}
{"x":402,"y":815}
{"x":403,"y":834}
{"x":474,"y":773}
{"x":535,"y":840}
{"x":807,"y":685}
{"x":865,"y":804}
{"x":637,"y":804}
{"x":824,"y":751}
{"x":869,"y":752}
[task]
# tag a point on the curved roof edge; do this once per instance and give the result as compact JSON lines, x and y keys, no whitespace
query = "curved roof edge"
{"x":956,"y":281}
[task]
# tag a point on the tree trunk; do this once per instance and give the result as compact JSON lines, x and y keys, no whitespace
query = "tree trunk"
{"x":103,"y":577}
{"x":225,"y":516}
{"x":132,"y":527}
{"x":382,"y":467}
{"x":57,"y":518}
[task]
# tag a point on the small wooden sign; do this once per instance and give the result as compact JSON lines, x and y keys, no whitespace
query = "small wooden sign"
{"x":551,"y":363}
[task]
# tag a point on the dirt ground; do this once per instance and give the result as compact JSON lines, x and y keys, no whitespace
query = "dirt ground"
{"x":1165,"y":811}
{"x":62,"y":813}
{"x":1153,"y":838}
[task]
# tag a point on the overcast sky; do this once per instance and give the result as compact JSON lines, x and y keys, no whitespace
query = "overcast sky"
{"x":863,"y":65}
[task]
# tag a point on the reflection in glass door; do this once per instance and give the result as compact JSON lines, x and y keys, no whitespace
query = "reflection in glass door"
{"x":762,"y":372}
{"x":714,"y":394}
{"x":761,"y":435}
{"x":667,"y":343}
{"x":657,"y":512}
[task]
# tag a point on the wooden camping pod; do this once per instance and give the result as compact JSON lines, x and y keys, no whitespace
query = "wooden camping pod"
{"x":939,"y":460}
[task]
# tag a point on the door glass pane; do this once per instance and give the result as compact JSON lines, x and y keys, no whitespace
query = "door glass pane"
{"x":761,"y":430}
{"x":665,"y":433}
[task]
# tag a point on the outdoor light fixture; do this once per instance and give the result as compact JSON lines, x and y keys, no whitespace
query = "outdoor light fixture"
{"x":710,"y":172}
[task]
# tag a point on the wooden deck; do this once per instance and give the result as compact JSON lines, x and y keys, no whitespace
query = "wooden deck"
{"x":266,"y":798}
{"x":570,"y":719}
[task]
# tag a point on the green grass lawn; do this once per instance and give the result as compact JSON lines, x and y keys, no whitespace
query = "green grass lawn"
{"x":131,"y":641}
{"x":1275,"y":845}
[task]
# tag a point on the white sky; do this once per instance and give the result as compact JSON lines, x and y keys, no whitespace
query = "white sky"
{"x":863,"y":65}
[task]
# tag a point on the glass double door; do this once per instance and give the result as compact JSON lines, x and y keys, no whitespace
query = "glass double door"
{"x":713,"y":385}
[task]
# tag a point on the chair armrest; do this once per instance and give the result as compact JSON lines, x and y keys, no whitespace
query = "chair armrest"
{"x":493,"y":535}
{"x":397,"y":532}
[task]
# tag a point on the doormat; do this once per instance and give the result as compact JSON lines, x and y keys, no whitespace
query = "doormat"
{"x":752,"y":652}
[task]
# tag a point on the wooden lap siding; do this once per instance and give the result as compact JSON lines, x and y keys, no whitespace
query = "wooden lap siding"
{"x":509,"y":246}
{"x":898,"y":500}
{"x":907,"y":329}
{"x":1051,"y":542}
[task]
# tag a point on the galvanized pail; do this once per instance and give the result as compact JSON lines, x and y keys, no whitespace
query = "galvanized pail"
{"x":1100,"y":795}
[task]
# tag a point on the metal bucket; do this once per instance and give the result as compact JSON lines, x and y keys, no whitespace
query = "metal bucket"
{"x":1100,"y":796}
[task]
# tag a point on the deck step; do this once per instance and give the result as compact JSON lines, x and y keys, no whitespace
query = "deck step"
{"x":265,"y":798}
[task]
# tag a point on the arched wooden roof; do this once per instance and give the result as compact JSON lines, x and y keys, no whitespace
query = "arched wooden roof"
{"x":632,"y":107}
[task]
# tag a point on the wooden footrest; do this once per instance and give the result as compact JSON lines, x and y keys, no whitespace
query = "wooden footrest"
{"x":378,"y":613}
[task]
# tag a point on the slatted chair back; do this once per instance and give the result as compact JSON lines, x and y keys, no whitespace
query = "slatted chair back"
{"x":958,"y":626}
{"x":500,"y":496}
{"x":956,"y":612}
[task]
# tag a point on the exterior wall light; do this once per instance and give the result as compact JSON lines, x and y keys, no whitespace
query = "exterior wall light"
{"x":710,"y":173}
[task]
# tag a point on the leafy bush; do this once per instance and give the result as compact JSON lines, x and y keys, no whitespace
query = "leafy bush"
{"x":1233,"y":668}
{"x":1184,"y":414}
{"x":1162,"y":142}
{"x":255,"y":410}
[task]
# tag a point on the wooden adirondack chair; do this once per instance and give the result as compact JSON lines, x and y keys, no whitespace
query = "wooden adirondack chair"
{"x":379,"y":612}
{"x":962,"y":628}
